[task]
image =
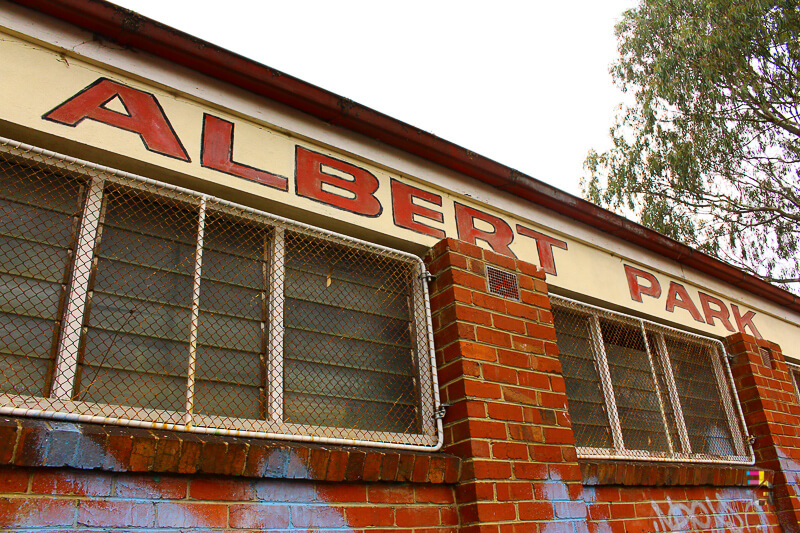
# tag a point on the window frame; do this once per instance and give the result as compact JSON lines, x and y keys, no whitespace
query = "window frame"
{"x":721,"y":372}
{"x":794,"y":374}
{"x":59,"y":405}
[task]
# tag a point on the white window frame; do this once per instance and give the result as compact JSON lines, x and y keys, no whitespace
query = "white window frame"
{"x":722,"y":372}
{"x":59,"y":404}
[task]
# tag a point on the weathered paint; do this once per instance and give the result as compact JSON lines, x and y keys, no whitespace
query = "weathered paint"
{"x":130,"y":29}
{"x":98,"y":106}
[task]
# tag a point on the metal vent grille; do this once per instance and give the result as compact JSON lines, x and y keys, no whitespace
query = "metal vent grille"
{"x":130,"y":301}
{"x":766,"y":356}
{"x":502,"y":283}
{"x":639,"y":390}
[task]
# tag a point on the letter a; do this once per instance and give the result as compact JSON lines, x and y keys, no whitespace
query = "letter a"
{"x":144,"y":115}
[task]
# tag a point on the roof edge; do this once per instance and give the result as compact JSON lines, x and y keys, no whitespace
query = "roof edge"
{"x":131,"y":29}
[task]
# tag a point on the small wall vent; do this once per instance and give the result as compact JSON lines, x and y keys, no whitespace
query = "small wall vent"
{"x":502,"y":283}
{"x":766,"y":356}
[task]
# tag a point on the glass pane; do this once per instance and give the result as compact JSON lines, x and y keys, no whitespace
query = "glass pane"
{"x":38,"y":222}
{"x":349,"y":359}
{"x":136,"y":347}
{"x":232,"y":336}
{"x":698,"y":390}
{"x":661,"y":377}
{"x":637,"y":404}
{"x":585,"y":396}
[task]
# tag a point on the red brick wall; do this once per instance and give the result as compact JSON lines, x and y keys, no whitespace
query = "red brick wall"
{"x":622,"y":509}
{"x":33,"y":498}
{"x":92,"y":477}
{"x":772,"y":416}
{"x":628,"y":497}
{"x":499,"y":371}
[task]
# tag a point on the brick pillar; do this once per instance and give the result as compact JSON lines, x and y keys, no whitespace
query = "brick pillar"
{"x":772,"y":416}
{"x":499,"y":371}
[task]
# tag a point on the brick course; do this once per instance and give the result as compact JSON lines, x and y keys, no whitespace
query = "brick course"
{"x":31,"y":442}
{"x":107,"y":500}
{"x":625,"y":509}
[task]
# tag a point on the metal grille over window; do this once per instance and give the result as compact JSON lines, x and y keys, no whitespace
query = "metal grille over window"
{"x":129,"y":301}
{"x":639,"y":390}
{"x":794,"y":371}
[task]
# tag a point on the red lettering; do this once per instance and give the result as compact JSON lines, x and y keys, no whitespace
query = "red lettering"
{"x":746,"y":320}
{"x":217,"y":153}
{"x":636,"y":288}
{"x":144,"y":115}
{"x":404,"y":209}
{"x":721,"y":312}
{"x":544,"y":246}
{"x":498,"y":239}
{"x":678,"y":297}
{"x":312,"y":181}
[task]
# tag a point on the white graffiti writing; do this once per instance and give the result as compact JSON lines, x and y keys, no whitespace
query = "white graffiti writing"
{"x":701,"y":515}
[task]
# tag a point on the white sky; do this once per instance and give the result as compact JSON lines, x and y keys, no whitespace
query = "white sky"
{"x":525,"y":83}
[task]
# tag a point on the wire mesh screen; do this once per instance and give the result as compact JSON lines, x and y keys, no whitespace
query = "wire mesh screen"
{"x":698,"y":391}
{"x":234,"y":319}
{"x":638,"y":405}
{"x":640,"y":390}
{"x":794,"y":371}
{"x":138,"y":313}
{"x":590,"y":419}
{"x":669,"y":403}
{"x":348,"y":339}
{"x":128,"y":300}
{"x":38,"y":227}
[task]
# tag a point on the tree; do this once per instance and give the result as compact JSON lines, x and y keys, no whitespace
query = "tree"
{"x":709,"y":153}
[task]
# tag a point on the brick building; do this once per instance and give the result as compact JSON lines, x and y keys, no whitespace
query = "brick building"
{"x":235,"y":301}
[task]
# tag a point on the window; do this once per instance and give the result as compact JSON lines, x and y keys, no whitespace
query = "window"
{"x":794,"y":372}
{"x":638,"y":390}
{"x":129,"y":301}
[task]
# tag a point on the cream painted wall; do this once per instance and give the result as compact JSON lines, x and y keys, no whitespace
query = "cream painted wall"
{"x":46,"y":63}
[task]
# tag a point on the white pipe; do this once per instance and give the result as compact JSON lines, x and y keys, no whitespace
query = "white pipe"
{"x":434,"y":376}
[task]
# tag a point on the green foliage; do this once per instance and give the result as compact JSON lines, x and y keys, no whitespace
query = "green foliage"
{"x":709,"y":154}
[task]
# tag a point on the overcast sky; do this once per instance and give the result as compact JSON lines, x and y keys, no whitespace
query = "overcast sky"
{"x":525,"y":83}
